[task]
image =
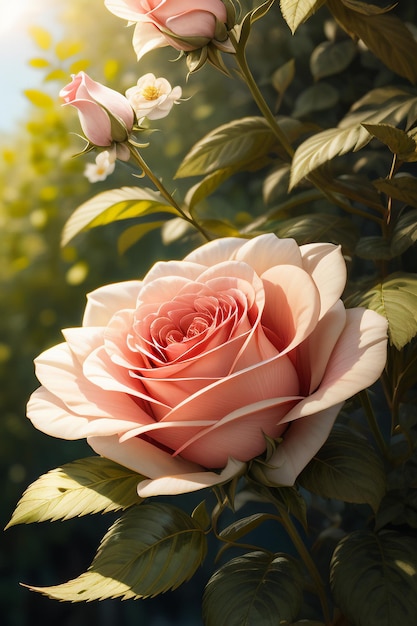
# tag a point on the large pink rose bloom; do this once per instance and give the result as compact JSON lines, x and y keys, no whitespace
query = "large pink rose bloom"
{"x":105,"y":115}
{"x":180,"y":376}
{"x":183,"y":24}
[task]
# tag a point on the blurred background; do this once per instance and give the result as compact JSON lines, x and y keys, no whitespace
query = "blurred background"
{"x":43,"y":286}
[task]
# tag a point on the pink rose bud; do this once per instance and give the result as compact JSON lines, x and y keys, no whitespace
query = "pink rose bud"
{"x":105,"y":115}
{"x":183,"y":24}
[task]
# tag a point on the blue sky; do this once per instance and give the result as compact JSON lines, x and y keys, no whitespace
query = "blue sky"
{"x":16,"y":48}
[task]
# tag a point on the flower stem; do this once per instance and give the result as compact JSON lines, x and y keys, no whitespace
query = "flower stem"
{"x":139,"y":160}
{"x":302,"y":550}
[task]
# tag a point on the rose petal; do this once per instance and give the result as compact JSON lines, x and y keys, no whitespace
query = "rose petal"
{"x":147,"y":37}
{"x":215,"y":251}
{"x":104,"y":302}
{"x":326,"y":265}
{"x":266,"y":251}
{"x":300,"y":443}
{"x":187,"y":483}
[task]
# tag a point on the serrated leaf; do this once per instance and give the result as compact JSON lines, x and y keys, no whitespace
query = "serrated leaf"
{"x":83,"y":487}
{"x":389,"y":105}
{"x":374,"y":578}
{"x":237,"y":143}
{"x":132,"y":235}
{"x":295,"y":12}
{"x":256,"y":588}
{"x":405,"y":232}
{"x":384,"y":34}
{"x":114,"y":205}
{"x":346,"y":468}
{"x":396,"y":139}
{"x":151,"y":549}
{"x":396,"y":299}
{"x":39,"y":98}
{"x":402,"y":188}
{"x":331,"y":58}
{"x":41,"y":37}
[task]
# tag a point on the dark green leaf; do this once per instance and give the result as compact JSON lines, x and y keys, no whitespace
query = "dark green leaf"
{"x":86,"y":486}
{"x":318,"y":227}
{"x":374,"y":578}
{"x":132,"y":235}
{"x":384,"y":34}
{"x":402,"y":188}
{"x":318,"y":97}
{"x":151,"y":549}
{"x":396,"y":299}
{"x":405,"y":232}
{"x":346,"y":468}
{"x":375,"y":248}
{"x":332,"y":58}
{"x":254,"y":589}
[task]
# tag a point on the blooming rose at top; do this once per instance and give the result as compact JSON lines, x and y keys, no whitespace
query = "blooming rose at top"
{"x":183,"y":24}
{"x":181,"y":376}
{"x":152,"y":97}
{"x":105,"y":115}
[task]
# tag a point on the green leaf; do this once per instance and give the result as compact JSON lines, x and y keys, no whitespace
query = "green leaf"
{"x":132,"y":235}
{"x":151,"y":549}
{"x":388,"y":104}
{"x":83,"y":487}
{"x":396,"y":139}
{"x":374,"y":578}
{"x":346,"y":468}
{"x":243,"y":29}
{"x":201,"y":516}
{"x":239,"y":528}
{"x":385,"y":35}
{"x":39,"y":98}
{"x":207,"y":186}
{"x":396,"y":299}
{"x":319,"y":227}
{"x":41,"y":37}
{"x":295,"y":12}
{"x":402,"y":188}
{"x":318,"y":97}
{"x":236,"y":144}
{"x":256,"y":588}
{"x":332,"y":58}
{"x":374,"y":247}
{"x":405,"y":232}
{"x":113,"y":205}
{"x":366,"y":8}
{"x":283,"y":76}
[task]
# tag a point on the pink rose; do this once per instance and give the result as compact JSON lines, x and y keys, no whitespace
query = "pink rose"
{"x":183,"y":24}
{"x":181,"y":375}
{"x":105,"y":115}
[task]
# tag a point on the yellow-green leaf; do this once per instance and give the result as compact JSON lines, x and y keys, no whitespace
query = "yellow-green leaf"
{"x":151,"y":549}
{"x":83,"y":487}
{"x":79,"y":66}
{"x":39,"y":63}
{"x":295,"y":12}
{"x":41,"y":37}
{"x":396,"y":139}
{"x":39,"y":98}
{"x":67,"y":48}
{"x":114,"y":205}
{"x":132,"y":235}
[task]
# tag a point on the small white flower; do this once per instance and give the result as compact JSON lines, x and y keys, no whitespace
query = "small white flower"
{"x":103,"y":166}
{"x":152,"y":97}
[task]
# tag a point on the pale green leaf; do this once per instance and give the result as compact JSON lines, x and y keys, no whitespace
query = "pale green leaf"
{"x":151,"y":549}
{"x":295,"y":12}
{"x":255,"y":588}
{"x":207,"y":186}
{"x":346,"y":468}
{"x":332,"y":58}
{"x":385,"y":35}
{"x":83,"y":487}
{"x":235,"y":144}
{"x":114,"y":205}
{"x":132,"y":235}
{"x":39,"y":98}
{"x":317,"y":97}
{"x":401,"y":187}
{"x":283,"y":76}
{"x":396,"y":299}
{"x":389,"y":105}
{"x":396,"y":139}
{"x":374,"y":578}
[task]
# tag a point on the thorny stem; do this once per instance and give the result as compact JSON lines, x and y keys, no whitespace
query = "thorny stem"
{"x":139,"y":160}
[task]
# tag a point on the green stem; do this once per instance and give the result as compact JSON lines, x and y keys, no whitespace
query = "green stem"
{"x":302,"y":550}
{"x":373,"y":424}
{"x":139,"y":160}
